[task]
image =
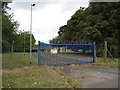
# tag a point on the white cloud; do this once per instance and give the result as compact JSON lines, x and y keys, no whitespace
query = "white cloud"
{"x":23,"y":17}
{"x":46,"y":18}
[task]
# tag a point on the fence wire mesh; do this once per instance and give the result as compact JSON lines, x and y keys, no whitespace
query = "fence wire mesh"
{"x":17,"y":56}
{"x":65,"y":54}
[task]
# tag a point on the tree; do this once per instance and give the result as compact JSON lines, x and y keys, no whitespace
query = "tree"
{"x":9,"y":28}
{"x":20,"y":41}
{"x":62,"y":30}
{"x":57,"y":40}
{"x":98,"y":22}
{"x":11,"y":34}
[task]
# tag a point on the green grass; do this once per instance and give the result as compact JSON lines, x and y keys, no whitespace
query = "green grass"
{"x":33,"y":77}
{"x":108,"y":62}
{"x":24,"y":75}
{"x":74,"y":83}
{"x":13,"y":60}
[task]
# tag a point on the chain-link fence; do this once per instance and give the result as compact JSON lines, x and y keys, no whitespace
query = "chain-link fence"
{"x":17,"y":56}
{"x":112,"y":50}
{"x":58,"y":54}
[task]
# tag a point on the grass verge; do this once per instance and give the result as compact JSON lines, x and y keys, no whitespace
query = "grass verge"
{"x":34,"y":77}
{"x":109,"y":62}
{"x":73,"y":82}
{"x":23,"y":75}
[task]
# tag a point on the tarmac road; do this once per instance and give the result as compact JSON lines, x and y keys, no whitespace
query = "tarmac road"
{"x":93,"y":76}
{"x":89,"y":76}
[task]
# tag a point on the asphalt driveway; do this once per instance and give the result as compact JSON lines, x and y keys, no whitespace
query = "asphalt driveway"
{"x":88,"y":75}
{"x":93,"y":76}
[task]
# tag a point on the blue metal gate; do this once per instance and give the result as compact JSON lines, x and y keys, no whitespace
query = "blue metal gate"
{"x":61,"y":54}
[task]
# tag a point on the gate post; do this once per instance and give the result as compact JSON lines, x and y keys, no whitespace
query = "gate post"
{"x":38,"y":52}
{"x":94,"y":52}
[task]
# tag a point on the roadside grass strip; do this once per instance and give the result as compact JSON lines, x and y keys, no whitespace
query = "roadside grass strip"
{"x":73,"y":82}
{"x":36,"y":77}
{"x":109,"y":62}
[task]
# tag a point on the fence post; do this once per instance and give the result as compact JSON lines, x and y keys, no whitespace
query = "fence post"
{"x":38,"y":52}
{"x":94,"y":52}
{"x":105,"y":51}
{"x":11,"y":66}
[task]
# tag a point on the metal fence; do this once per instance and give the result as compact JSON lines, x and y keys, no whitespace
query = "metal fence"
{"x":17,"y":56}
{"x":60,"y":54}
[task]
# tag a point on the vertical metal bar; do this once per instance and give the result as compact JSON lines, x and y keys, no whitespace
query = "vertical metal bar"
{"x":38,"y":52}
{"x":94,"y":52}
{"x":1,"y":44}
{"x":24,"y":42}
{"x":12,"y":54}
{"x":31,"y":37}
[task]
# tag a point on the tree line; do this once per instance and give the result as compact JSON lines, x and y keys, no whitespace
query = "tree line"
{"x":98,"y":22}
{"x":11,"y":36}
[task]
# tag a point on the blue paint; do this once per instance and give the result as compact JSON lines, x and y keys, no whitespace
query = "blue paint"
{"x":94,"y":52}
{"x":70,"y":63}
{"x":67,"y":44}
{"x":38,"y":52}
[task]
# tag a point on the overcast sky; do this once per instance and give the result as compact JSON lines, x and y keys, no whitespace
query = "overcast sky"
{"x":48,"y":16}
